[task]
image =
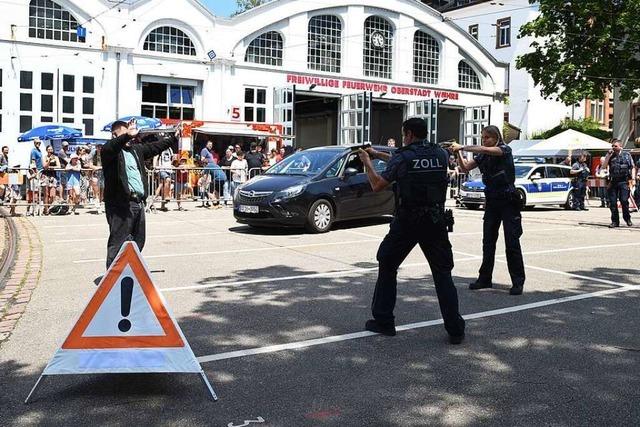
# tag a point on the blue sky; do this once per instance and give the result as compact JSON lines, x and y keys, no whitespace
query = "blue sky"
{"x":221,"y":7}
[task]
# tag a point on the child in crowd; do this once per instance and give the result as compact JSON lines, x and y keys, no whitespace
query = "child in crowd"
{"x":73,"y":181}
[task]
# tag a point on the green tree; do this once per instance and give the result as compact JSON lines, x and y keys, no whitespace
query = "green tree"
{"x":583,"y":48}
{"x":587,"y":125}
{"x":244,"y":5}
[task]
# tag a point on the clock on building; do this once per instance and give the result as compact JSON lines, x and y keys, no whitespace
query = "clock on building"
{"x":378,"y":40}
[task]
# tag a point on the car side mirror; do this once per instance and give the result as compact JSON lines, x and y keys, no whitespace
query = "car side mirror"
{"x":349,"y":172}
{"x":536,"y":176}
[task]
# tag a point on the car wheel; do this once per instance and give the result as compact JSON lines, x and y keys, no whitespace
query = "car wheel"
{"x":320,"y":217}
{"x":522,"y":199}
{"x":570,"y":201}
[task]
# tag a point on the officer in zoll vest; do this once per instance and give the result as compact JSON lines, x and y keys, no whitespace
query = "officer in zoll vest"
{"x":502,"y":206}
{"x":621,"y":170}
{"x":419,"y":170}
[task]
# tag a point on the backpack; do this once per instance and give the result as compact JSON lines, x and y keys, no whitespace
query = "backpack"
{"x":59,"y":208}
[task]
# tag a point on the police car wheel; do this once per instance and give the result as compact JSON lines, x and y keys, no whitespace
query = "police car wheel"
{"x":570,"y":201}
{"x":523,"y":199}
{"x":320,"y":217}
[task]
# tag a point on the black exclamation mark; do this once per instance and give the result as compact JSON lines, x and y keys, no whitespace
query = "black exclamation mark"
{"x":126,"y":291}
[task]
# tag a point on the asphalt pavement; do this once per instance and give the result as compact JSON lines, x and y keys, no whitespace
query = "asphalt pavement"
{"x":276,"y":319}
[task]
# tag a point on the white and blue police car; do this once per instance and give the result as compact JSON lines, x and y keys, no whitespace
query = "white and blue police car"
{"x":536,"y":184}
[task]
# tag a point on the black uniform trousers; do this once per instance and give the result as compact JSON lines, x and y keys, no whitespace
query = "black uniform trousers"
{"x":619,"y":191}
{"x":507,"y":212}
{"x":580,"y":192}
{"x":126,"y":222}
{"x":433,"y":239}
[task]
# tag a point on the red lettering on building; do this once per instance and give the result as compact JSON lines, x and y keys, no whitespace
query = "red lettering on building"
{"x":371,"y":87}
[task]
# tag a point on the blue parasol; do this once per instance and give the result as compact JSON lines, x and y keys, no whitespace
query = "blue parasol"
{"x":50,"y":132}
{"x":141,"y":122}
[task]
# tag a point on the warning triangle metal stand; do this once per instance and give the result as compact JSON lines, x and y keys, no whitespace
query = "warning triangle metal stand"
{"x":146,"y":340}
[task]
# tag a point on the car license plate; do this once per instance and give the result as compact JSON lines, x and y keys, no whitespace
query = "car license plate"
{"x":475,"y":195}
{"x":249,"y":209}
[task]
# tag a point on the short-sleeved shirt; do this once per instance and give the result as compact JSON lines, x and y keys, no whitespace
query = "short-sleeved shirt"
{"x":583,"y":168}
{"x":498,"y":172}
{"x":165,"y":158}
{"x":64,"y":158}
{"x":205,"y":154}
{"x":36,"y":156}
{"x":396,"y":168}
{"x":620,"y":159}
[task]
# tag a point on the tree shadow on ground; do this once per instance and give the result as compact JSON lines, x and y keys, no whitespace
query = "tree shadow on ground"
{"x":564,"y":364}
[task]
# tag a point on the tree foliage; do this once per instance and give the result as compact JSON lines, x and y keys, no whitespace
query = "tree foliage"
{"x":587,"y":125}
{"x":244,"y":5}
{"x":583,"y":48}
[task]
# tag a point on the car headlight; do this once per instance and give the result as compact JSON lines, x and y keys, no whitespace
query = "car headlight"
{"x":290,"y":192}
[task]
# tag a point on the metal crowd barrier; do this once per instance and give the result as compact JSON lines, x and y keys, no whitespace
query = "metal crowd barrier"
{"x":178,"y":185}
{"x":36,"y":192}
{"x":42,"y":191}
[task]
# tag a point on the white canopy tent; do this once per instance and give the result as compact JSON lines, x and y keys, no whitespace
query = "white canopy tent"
{"x":569,"y":141}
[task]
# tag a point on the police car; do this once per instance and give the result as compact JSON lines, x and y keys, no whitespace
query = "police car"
{"x":536,"y":184}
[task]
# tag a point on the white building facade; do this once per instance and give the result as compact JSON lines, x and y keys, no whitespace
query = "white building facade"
{"x":496,"y":25}
{"x":330,"y":72}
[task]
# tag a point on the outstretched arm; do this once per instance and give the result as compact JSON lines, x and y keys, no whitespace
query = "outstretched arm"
{"x":377,"y":182}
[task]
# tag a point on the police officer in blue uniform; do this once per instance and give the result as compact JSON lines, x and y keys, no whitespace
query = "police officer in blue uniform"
{"x":580,"y":171}
{"x":419,"y":171}
{"x":621,"y":170}
{"x":502,"y":205}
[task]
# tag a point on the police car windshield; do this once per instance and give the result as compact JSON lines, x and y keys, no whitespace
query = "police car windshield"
{"x":522,"y":171}
{"x":304,"y":163}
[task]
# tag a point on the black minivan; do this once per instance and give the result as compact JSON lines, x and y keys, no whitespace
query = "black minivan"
{"x":313,"y":189}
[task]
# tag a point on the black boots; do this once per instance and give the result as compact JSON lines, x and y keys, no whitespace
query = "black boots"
{"x":388,"y":329}
{"x":479,"y":285}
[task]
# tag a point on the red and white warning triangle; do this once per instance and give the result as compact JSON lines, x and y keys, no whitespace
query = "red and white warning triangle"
{"x":125,"y":328}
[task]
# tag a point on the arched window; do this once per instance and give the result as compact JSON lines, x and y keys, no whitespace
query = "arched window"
{"x":426,"y":58}
{"x":169,"y":40}
{"x":325,"y":43}
{"x":378,"y":45}
{"x":265,"y":49}
{"x":467,"y":77}
{"x":48,"y":20}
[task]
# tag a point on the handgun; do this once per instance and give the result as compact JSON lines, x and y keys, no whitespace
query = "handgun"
{"x":447,"y":144}
{"x":361,"y":146}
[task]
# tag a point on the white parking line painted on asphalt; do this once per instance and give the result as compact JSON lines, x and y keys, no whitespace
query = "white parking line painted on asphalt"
{"x":173,"y":222}
{"x":474,"y":233}
{"x":347,"y":337}
{"x":215,"y":233}
{"x":238,"y":251}
{"x":548,"y":270}
{"x":553,"y":251}
{"x":339,"y":273}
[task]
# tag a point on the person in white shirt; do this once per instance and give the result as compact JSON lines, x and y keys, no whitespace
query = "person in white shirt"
{"x":163,"y":167}
{"x":239,"y":172}
{"x":602,"y":175}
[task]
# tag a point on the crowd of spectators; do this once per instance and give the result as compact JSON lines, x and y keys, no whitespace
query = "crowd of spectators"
{"x":53,"y":182}
{"x":208,"y":176}
{"x":61,"y":182}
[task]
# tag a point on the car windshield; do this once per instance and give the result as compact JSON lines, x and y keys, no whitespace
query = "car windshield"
{"x":522,"y":171}
{"x":304,"y":163}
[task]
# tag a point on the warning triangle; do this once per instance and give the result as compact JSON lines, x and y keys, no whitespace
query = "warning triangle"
{"x":126,"y":328}
{"x":126,"y":311}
